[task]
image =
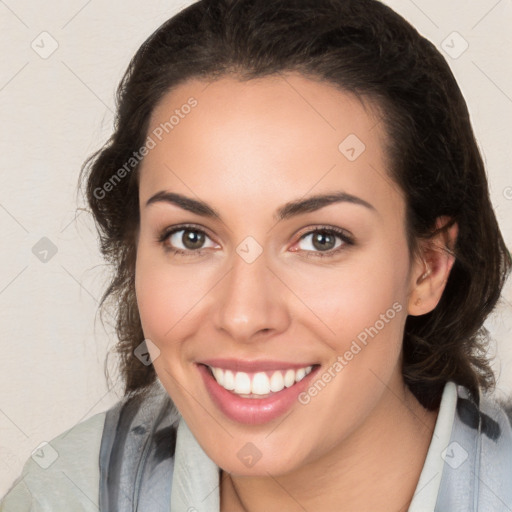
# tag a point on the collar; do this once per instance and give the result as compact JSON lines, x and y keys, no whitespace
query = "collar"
{"x":195,"y":485}
{"x":149,"y":458}
{"x":425,"y":495}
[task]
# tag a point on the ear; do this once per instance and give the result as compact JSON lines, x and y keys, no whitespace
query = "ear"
{"x":431,"y":269}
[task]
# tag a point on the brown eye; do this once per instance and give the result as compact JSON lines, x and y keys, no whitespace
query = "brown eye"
{"x":186,"y":240}
{"x":321,"y":240}
{"x":192,"y":239}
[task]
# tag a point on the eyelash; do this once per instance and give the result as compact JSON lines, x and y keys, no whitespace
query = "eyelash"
{"x":345,"y":238}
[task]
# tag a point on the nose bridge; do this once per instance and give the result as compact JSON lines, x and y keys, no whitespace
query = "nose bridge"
{"x":251,"y":301}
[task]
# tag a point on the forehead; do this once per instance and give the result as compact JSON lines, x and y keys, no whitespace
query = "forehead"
{"x":265,"y":138}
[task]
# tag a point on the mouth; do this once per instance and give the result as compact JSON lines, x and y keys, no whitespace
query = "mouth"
{"x":260,"y":384}
{"x":255,"y":393}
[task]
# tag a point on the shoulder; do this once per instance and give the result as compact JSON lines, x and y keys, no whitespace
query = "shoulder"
{"x":480,"y":465}
{"x":496,"y":416}
{"x":504,"y":403}
{"x":62,"y":474}
{"x":488,"y":418}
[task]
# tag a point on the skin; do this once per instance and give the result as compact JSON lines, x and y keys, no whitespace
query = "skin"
{"x":246,"y":149}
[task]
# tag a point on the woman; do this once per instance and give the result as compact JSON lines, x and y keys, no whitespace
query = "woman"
{"x":305,"y":253}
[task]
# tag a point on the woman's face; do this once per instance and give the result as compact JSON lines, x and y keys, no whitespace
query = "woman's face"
{"x":272,"y":244}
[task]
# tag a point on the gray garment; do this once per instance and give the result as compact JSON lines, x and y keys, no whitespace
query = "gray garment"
{"x":70,"y":482}
{"x":477,"y":474}
{"x":427,"y":489}
{"x":141,"y":455}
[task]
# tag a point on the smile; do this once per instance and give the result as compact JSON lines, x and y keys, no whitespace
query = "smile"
{"x":260,"y":384}
{"x":255,"y":392}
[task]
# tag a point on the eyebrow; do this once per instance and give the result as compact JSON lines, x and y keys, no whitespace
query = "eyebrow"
{"x":290,"y":209}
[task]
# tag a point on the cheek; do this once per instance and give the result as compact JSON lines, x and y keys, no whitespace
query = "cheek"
{"x":364,"y":309}
{"x":359,"y":300}
{"x":166,"y":296}
{"x":167,"y":300}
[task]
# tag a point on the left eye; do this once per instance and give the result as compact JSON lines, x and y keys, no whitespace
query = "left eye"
{"x":322,"y":240}
{"x":189,"y":239}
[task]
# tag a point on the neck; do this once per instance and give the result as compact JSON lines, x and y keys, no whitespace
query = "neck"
{"x":376,"y":468}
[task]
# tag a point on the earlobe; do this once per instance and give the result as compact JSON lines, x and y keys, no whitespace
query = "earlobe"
{"x":432,"y":269}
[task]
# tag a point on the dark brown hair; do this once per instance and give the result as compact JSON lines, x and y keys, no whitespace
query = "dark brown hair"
{"x":360,"y":46}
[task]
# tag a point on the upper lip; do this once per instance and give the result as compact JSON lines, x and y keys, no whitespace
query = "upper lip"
{"x":244,"y":365}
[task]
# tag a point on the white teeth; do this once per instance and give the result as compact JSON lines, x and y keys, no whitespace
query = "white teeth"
{"x":229,"y":380}
{"x":289,"y":378}
{"x":242,"y":383}
{"x":259,"y":383}
{"x":300,"y":375}
{"x":219,"y":375}
{"x":276,"y":382}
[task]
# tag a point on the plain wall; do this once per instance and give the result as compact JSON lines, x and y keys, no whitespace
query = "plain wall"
{"x":56,"y":109}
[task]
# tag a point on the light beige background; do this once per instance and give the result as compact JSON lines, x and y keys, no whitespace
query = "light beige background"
{"x":56,"y":109}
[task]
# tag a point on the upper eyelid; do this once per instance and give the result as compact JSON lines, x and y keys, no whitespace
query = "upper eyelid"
{"x":322,"y":227}
{"x":167,"y":231}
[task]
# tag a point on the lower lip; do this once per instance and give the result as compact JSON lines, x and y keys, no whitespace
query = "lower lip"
{"x":253,"y":411}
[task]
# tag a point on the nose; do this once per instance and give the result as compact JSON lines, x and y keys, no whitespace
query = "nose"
{"x":251,"y":302}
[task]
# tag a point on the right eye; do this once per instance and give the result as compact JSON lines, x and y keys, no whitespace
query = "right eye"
{"x":185,"y":240}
